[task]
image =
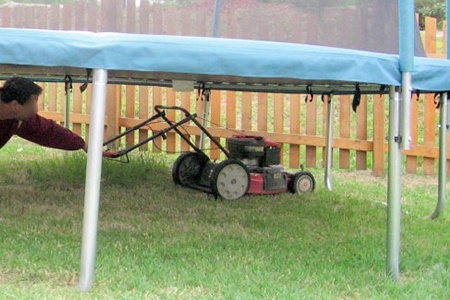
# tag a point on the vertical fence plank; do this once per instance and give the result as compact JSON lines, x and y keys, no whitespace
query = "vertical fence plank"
{"x":131,"y":16}
{"x":54,"y":16}
{"x":231,"y":110}
{"x":247,"y":98}
{"x":429,"y":132}
{"x":77,"y":106}
{"x":143,"y":114}
{"x":144,"y":14}
{"x":215,"y":121}
{"x":201,"y":23}
{"x":171,"y":20}
{"x":79,"y":15}
{"x":40,"y":13}
{"x":118,"y":21}
{"x":88,"y":93}
{"x":344,"y":129}
{"x":311,"y":127}
{"x":411,"y":161}
{"x":361,"y":133}
{"x":379,"y":135}
{"x":92,"y":16}
{"x":278,"y":118}
{"x":67,"y":10}
{"x":130,"y":104}
{"x":294,"y":128}
{"x":19,"y":17}
{"x":186,"y":21}
{"x":157,"y":100}
{"x":109,"y":17}
{"x":247,"y":25}
{"x":171,"y":136}
{"x":230,"y":20}
{"x":157,"y":19}
{"x":262,"y":108}
{"x":113,"y":111}
{"x":296,"y":21}
{"x":29,"y":21}
{"x":52,"y":97}
{"x":41,"y":102}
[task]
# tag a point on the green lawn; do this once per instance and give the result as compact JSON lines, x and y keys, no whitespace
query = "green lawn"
{"x":160,"y":241}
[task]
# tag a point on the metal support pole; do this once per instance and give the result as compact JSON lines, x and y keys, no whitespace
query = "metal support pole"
{"x":394,"y":187}
{"x":93,"y":176}
{"x":206,"y":109}
{"x":406,"y":17}
{"x":329,"y":144}
{"x":443,"y":127}
{"x":406,"y":111}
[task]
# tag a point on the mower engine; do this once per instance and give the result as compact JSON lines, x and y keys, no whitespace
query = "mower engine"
{"x":262,"y":159}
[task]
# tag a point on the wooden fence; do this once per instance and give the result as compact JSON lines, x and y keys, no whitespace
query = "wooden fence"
{"x":359,"y":138}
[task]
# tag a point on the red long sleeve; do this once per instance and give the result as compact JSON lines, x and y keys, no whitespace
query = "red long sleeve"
{"x":47,"y":133}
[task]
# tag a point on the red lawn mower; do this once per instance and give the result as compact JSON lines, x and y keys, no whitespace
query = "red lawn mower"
{"x":252,"y":165}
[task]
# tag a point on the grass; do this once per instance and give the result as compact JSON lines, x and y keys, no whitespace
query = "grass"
{"x":160,"y":241}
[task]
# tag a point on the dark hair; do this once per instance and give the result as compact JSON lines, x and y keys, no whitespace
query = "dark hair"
{"x":19,"y":89}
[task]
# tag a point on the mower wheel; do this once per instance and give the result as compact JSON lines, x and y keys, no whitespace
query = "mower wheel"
{"x":230,"y":180}
{"x":188,"y":168}
{"x":302,"y":182}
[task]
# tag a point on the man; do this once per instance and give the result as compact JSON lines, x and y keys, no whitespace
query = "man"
{"x":18,"y":116}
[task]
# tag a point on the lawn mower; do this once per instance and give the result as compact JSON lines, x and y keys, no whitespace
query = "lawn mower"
{"x":252,"y":164}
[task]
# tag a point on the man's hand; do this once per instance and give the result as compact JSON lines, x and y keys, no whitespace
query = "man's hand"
{"x":110,"y":154}
{"x":104,"y":153}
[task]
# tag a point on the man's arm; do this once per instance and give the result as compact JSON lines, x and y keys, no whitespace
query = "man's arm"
{"x":47,"y":133}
